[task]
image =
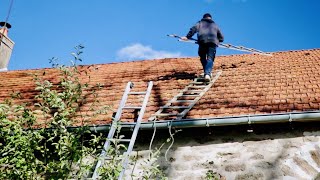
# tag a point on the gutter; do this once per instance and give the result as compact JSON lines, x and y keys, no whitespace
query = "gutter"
{"x":220,"y":121}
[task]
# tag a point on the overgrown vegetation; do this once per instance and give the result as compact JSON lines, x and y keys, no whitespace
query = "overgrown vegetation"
{"x":36,"y":141}
{"x":113,"y":167}
{"x":210,"y":175}
{"x":51,"y":151}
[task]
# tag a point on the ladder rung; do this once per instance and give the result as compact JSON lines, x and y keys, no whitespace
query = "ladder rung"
{"x":124,"y":140}
{"x":189,"y":95}
{"x":132,"y":107}
{"x":196,"y":87}
{"x":199,"y":78}
{"x":173,"y":107}
{"x":137,"y":93}
{"x":191,"y":90}
{"x":107,"y":158}
{"x":198,"y":82}
{"x":183,"y":101}
{"x":167,"y":114}
{"x":121,"y":140}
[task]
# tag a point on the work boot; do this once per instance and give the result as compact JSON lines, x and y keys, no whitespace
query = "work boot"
{"x":207,"y":77}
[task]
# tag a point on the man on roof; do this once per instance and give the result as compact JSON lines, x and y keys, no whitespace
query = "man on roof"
{"x":209,"y":37}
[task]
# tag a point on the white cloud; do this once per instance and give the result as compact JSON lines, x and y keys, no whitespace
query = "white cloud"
{"x":138,"y":51}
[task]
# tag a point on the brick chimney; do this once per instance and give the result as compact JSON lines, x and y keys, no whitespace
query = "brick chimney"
{"x":6,"y":46}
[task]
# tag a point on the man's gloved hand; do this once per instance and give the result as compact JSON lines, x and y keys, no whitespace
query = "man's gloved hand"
{"x":184,"y":38}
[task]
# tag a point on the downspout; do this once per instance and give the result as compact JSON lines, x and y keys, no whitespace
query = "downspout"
{"x":221,"y":121}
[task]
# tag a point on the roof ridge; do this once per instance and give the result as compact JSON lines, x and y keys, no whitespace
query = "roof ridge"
{"x":297,"y":50}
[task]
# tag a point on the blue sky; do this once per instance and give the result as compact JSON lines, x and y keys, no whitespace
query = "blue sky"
{"x":117,"y":31}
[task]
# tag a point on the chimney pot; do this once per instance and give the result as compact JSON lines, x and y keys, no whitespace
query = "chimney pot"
{"x":4,"y":28}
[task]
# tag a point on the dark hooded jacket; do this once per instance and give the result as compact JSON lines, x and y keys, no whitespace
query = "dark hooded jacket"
{"x":208,"y":32}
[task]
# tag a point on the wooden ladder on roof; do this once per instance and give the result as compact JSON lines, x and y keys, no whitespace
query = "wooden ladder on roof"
{"x":189,"y":96}
{"x":112,"y":138}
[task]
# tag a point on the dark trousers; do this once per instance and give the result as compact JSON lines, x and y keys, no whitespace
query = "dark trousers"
{"x":207,"y":53}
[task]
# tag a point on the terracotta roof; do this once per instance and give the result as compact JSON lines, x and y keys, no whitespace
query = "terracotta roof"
{"x":249,"y":84}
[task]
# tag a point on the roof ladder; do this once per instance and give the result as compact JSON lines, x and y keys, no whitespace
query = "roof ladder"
{"x":228,"y":46}
{"x":192,"y":92}
{"x":112,"y":131}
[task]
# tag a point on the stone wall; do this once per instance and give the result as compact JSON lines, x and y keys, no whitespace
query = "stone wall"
{"x":282,"y":151}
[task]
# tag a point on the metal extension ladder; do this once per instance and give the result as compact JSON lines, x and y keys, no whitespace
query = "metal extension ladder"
{"x":111,"y":135}
{"x":227,"y":46}
{"x":193,"y":91}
